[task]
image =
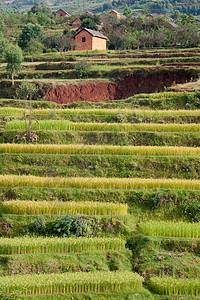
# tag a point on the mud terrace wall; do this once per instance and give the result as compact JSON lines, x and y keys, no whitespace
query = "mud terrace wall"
{"x":126,"y":87}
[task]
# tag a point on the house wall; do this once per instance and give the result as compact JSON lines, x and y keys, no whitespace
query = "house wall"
{"x":114,"y":14}
{"x":79,"y":45}
{"x":61,"y":13}
{"x":76,"y":23}
{"x":98,"y":44}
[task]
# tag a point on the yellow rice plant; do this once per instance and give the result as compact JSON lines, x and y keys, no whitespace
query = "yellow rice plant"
{"x":175,"y":286}
{"x":92,"y":183}
{"x":171,"y":229}
{"x":24,"y":245}
{"x":56,"y":207}
{"x":94,"y":149}
{"x":71,"y":283}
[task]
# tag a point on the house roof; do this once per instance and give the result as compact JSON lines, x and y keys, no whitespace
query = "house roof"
{"x":149,"y":15}
{"x":116,"y":12}
{"x":63,"y":11}
{"x":88,"y":13}
{"x":77,"y":21}
{"x":93,"y":33}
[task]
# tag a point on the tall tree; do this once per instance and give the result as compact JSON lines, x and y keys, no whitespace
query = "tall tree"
{"x":14,"y":58}
{"x":30,"y":31}
{"x":26,"y":91}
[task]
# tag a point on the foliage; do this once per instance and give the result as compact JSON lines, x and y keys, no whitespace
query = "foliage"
{"x":191,"y":209}
{"x":82,"y":69}
{"x":67,"y":226}
{"x":3,"y":45}
{"x":30,"y":31}
{"x":88,"y":23}
{"x":127,"y":11}
{"x":37,"y":8}
{"x":14,"y":58}
{"x":26,"y":90}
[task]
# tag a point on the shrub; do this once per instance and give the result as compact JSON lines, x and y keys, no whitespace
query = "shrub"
{"x":82,"y":69}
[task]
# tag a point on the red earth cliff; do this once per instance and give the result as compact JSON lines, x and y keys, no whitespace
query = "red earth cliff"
{"x":126,"y":87}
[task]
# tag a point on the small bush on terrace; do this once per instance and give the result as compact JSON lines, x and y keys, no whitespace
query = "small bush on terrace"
{"x":64,"y":226}
{"x":82,"y":69}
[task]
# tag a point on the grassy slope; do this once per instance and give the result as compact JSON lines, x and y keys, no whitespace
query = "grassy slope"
{"x":150,"y":256}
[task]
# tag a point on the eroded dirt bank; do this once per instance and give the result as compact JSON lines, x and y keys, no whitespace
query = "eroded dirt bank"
{"x":126,"y":87}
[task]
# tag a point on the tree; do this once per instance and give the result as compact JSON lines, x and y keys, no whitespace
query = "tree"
{"x":30,"y":31}
{"x":88,"y":23}
{"x":187,"y":35}
{"x":35,"y":46}
{"x":188,"y":20}
{"x":63,"y":41}
{"x":37,"y":8}
{"x":127,"y":11}
{"x":26,"y":91}
{"x":14,"y":58}
{"x":3,"y":44}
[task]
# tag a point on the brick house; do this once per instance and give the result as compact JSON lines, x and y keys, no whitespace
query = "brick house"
{"x":62,"y":13}
{"x":76,"y":23}
{"x":150,"y":16}
{"x":115,"y":13}
{"x":87,"y":39}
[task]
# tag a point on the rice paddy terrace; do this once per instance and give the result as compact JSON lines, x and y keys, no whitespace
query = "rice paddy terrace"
{"x":102,"y":200}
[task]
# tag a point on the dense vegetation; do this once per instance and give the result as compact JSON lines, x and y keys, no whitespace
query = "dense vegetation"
{"x":164,"y":6}
{"x":99,"y":198}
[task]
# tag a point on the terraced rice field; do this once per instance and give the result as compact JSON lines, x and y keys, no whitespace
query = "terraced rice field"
{"x":104,"y":198}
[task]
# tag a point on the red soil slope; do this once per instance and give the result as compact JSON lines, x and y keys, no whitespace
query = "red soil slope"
{"x":128,"y":86}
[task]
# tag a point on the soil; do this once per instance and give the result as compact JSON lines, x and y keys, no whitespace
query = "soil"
{"x":124,"y":88}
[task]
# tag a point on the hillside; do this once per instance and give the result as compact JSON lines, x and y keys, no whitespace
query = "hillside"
{"x":99,"y":198}
{"x":158,"y":6}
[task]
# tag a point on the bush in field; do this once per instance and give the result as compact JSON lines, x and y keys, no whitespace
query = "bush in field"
{"x":64,"y":226}
{"x":191,"y":209}
{"x":68,"y":225}
{"x":82,"y":69}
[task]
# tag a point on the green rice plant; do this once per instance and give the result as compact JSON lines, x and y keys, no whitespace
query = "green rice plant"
{"x":171,"y":229}
{"x":175,"y":286}
{"x":66,"y":125}
{"x":139,"y":112}
{"x":23,"y":245}
{"x":94,"y":149}
{"x":98,"y":182}
{"x":56,"y":207}
{"x":10,"y":111}
{"x":163,"y":95}
{"x":69,"y":283}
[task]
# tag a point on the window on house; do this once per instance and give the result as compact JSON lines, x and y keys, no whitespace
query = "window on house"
{"x":83,"y":39}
